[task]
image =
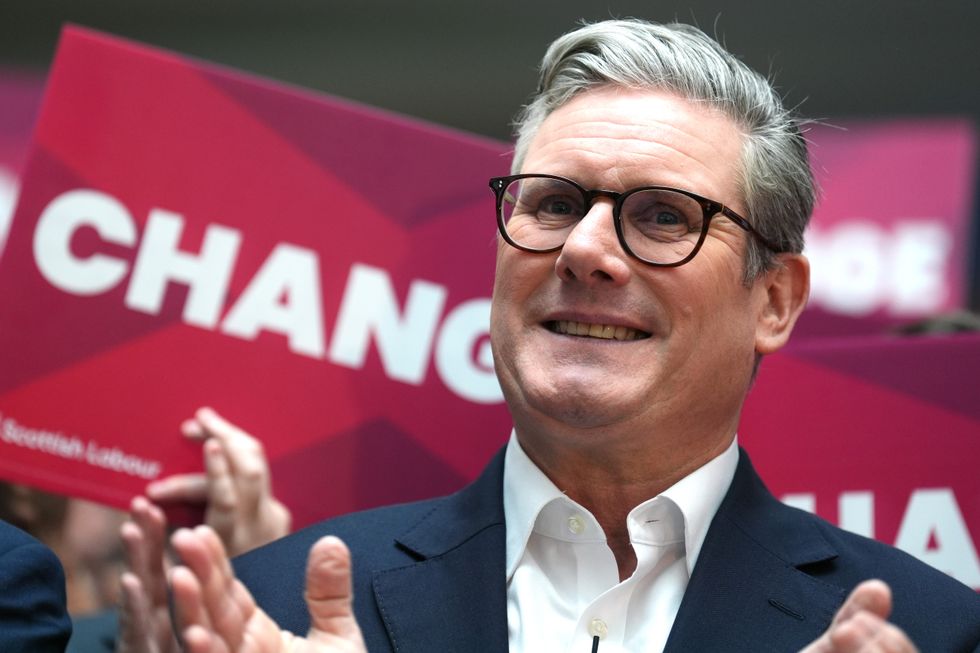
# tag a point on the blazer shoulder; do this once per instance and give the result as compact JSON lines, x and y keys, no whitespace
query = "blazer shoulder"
{"x":861,"y":557}
{"x":275,"y":574}
{"x":368,"y":534}
{"x":371,"y":535}
{"x":937,"y":611}
{"x":381,"y":540}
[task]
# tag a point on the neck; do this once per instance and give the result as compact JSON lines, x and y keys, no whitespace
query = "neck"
{"x":609,"y":477}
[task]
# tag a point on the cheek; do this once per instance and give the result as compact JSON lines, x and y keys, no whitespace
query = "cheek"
{"x":509,"y":288}
{"x":690,"y":299}
{"x":712,"y":311}
{"x":506,"y":326}
{"x":518,"y":277}
{"x":729,"y":337}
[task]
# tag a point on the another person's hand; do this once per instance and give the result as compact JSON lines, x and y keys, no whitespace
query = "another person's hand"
{"x":236,"y":491}
{"x":217,"y":614}
{"x":236,"y":486}
{"x":144,"y":615}
{"x":861,"y":625}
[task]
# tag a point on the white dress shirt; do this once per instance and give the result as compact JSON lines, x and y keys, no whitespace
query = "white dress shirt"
{"x":563,"y":584}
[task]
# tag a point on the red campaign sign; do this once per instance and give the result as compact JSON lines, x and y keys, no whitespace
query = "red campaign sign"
{"x":880,"y":436}
{"x":316,"y":271}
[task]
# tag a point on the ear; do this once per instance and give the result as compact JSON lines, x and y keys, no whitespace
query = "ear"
{"x":786,"y":288}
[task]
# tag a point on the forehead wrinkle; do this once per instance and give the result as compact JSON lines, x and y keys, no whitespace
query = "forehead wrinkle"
{"x":612,"y":116}
{"x":618,"y":139}
{"x":631,"y":162}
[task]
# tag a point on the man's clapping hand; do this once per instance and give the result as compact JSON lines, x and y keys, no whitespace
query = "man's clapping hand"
{"x":218,"y":615}
{"x":861,"y":625}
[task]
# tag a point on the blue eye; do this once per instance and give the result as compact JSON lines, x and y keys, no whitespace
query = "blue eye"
{"x":667,"y":218}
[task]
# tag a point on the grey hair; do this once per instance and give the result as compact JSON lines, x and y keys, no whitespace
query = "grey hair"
{"x":774,"y":178}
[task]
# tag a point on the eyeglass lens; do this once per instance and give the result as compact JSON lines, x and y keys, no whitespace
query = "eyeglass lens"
{"x":661,"y":226}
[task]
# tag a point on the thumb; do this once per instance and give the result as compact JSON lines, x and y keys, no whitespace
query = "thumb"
{"x":329,"y":596}
{"x":872,"y":596}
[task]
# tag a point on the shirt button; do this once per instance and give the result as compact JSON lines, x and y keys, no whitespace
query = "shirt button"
{"x":576,"y":524}
{"x":598,"y":628}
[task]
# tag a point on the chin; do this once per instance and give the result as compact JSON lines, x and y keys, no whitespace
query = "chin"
{"x":580,"y":403}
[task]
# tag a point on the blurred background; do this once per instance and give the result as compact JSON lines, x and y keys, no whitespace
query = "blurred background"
{"x":471,"y":65}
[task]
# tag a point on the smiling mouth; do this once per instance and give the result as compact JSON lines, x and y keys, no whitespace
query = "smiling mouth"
{"x":588,"y":330}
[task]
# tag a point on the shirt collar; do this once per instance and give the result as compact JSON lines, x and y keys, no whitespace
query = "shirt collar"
{"x":699,"y":494}
{"x":527,"y":491}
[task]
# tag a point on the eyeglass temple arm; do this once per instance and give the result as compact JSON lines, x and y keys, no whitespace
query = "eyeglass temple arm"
{"x":745,"y":224}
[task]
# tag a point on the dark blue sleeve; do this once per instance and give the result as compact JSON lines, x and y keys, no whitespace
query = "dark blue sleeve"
{"x":33,"y":610}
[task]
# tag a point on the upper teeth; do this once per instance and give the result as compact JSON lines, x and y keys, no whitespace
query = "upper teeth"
{"x":607,"y":331}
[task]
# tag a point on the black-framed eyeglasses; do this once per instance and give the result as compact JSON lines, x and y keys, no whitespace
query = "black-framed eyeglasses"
{"x":658,"y":225}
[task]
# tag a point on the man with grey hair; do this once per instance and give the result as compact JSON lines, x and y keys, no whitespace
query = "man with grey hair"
{"x":649,"y":256}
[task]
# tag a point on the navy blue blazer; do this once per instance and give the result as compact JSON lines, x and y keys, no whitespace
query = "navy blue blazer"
{"x":33,"y":612}
{"x":430,"y":576}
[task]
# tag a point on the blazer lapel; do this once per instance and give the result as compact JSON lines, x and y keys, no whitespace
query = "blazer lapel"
{"x":455,"y":597}
{"x":747,"y":591}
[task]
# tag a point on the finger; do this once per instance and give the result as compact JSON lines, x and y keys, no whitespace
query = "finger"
{"x":179,"y":487}
{"x":227,"y":603}
{"x":860,"y":625}
{"x":329,"y":596}
{"x":207,"y":423}
{"x":192,"y":429}
{"x":133,"y":548}
{"x":189,"y":609}
{"x":873,"y":596}
{"x":245,"y":454}
{"x":198,"y":639}
{"x":135,"y":619}
{"x":893,"y":639}
{"x":144,"y":540}
{"x":865,"y":632}
{"x":197,"y":631}
{"x":262,"y":636}
{"x":222,"y":510}
{"x":237,"y":624}
{"x":214,"y":425}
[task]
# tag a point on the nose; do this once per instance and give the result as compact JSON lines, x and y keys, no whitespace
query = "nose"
{"x":592,"y":253}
